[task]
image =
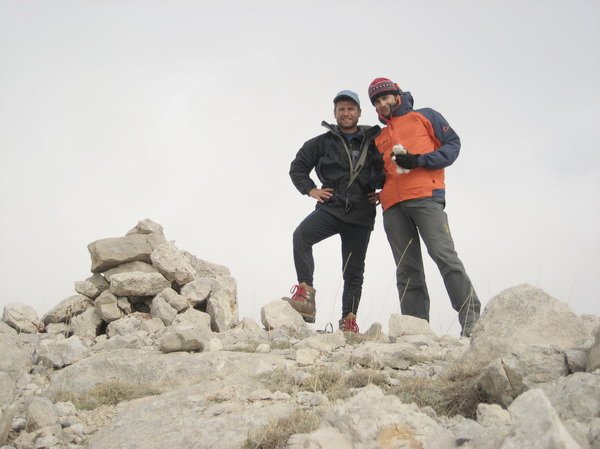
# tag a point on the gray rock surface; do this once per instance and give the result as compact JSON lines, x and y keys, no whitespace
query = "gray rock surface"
{"x":7,"y":389}
{"x":137,"y":283}
{"x":130,"y":267}
{"x":60,"y":352}
{"x":520,"y":317}
{"x":146,"y":226}
{"x":172,"y":264}
{"x":23,"y":318}
{"x":594,"y":355}
{"x":17,"y":357}
{"x":279,"y":313}
{"x":107,"y":306}
{"x":86,"y":324}
{"x":112,"y":252}
{"x":67,"y":309}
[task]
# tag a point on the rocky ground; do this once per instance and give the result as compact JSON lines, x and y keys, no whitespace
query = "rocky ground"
{"x":151,"y":353}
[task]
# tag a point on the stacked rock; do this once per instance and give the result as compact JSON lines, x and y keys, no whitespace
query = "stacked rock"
{"x":140,"y":280}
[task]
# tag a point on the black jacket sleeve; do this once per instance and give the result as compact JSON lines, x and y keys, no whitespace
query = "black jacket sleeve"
{"x":306,"y":160}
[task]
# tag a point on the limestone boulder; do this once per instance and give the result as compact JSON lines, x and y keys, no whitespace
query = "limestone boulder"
{"x":204,"y":268}
{"x":138,"y":284}
{"x":198,"y":291}
{"x":7,"y":389}
{"x":536,"y":424}
{"x":508,"y":377}
{"x":130,"y":267}
{"x":593,"y":362}
{"x":86,"y":324}
{"x":402,"y":325}
{"x":172,"y":264}
{"x":576,"y":397}
{"x":41,"y":413}
{"x":161,"y":309}
{"x":146,"y":226}
{"x":279,"y":313}
{"x":174,"y":299}
{"x":523,"y":316}
{"x":185,"y":338}
{"x":193,"y":317}
{"x":66,"y":309}
{"x":6,"y":329}
{"x":60,"y":352}
{"x":112,"y":252}
{"x":87,"y":288}
{"x":127,"y":324}
{"x":222,"y":305}
{"x":6,"y":419}
{"x":23,"y":318}
{"x":17,"y":356}
{"x":107,"y":306}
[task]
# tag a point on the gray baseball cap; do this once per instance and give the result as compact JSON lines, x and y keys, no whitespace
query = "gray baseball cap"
{"x":347,"y":95}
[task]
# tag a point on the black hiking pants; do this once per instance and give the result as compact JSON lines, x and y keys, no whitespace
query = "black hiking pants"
{"x":355,"y":238}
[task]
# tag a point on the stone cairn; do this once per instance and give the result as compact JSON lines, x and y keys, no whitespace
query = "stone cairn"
{"x":139,"y":282}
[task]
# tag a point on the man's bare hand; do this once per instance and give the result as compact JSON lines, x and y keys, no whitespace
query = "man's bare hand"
{"x":374,"y":198}
{"x":321,"y":195}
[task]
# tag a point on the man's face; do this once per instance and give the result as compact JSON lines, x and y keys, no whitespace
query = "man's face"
{"x":346,"y":114}
{"x":385,"y":104}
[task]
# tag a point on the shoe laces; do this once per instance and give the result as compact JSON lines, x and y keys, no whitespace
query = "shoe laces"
{"x":350,"y":325}
{"x":298,"y":293}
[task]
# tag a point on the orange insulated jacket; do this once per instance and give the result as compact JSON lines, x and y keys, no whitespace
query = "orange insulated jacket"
{"x":423,"y":132}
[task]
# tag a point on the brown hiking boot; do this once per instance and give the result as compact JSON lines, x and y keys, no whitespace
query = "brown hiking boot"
{"x":348,"y":324}
{"x":303,"y":301}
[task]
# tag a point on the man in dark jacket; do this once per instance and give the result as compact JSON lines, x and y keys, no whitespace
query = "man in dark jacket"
{"x":350,"y":169}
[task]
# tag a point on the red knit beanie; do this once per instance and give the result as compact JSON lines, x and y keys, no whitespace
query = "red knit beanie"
{"x":382,"y":86}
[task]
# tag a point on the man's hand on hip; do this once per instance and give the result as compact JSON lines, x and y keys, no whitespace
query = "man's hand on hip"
{"x":321,"y":195}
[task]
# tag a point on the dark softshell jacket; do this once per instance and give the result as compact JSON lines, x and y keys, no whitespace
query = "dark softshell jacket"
{"x":351,"y":180}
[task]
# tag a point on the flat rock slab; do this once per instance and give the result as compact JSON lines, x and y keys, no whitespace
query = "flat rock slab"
{"x":112,"y":252}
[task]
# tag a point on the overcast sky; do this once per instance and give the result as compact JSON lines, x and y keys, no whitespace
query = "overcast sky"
{"x":190,"y":112}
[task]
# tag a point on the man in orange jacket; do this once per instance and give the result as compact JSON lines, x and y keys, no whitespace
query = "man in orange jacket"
{"x":416,"y":146}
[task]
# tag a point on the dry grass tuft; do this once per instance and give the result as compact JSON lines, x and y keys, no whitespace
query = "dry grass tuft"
{"x":454,"y":393}
{"x":275,"y":434}
{"x":107,"y":393}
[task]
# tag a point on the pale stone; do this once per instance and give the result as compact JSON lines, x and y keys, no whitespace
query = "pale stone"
{"x":576,"y":396}
{"x":67,"y":309}
{"x":222,"y":304}
{"x":124,"y":304}
{"x":99,"y":281}
{"x":204,"y":268}
{"x":172,"y":264}
{"x":86,"y":324}
{"x":198,"y":290}
{"x":250,"y":325}
{"x":520,"y":317}
{"x":279,"y":313}
{"x":7,"y":389}
{"x":536,"y":424}
{"x":138,"y":284}
{"x":127,"y":324}
{"x":174,"y":299}
{"x":594,"y":356}
{"x":193,"y":318}
{"x":87,"y":288}
{"x":492,"y":415}
{"x":402,"y":325}
{"x":323,"y":438}
{"x":6,"y":329}
{"x":146,"y":226}
{"x":577,"y":359}
{"x":376,"y":331}
{"x":160,"y":308}
{"x":130,"y":267}
{"x":324,"y":342}
{"x":263,"y":348}
{"x":58,"y":328}
{"x":183,"y":338}
{"x":106,"y":305}
{"x":17,"y":358}
{"x":6,"y":419}
{"x":398,"y":356}
{"x":370,"y":416}
{"x":112,"y":252}
{"x":60,"y":352}
{"x":306,"y":356}
{"x":41,"y":413}
{"x":23,"y":318}
{"x":152,"y":326}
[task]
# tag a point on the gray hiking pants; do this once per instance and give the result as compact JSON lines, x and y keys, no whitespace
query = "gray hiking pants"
{"x":425,"y":217}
